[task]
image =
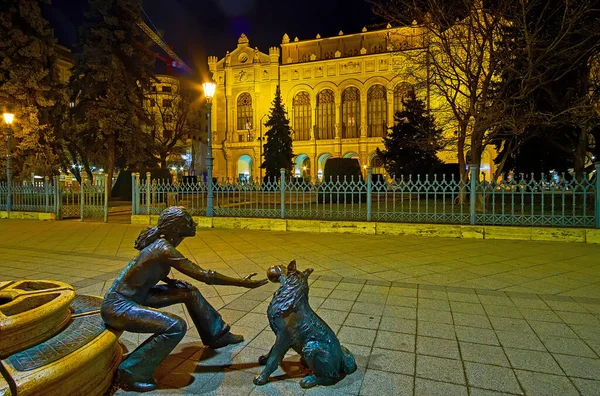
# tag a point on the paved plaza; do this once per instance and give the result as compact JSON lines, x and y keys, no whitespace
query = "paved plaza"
{"x":423,"y":316}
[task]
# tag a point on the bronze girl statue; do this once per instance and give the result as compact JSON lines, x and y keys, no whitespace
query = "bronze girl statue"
{"x":132,"y":303}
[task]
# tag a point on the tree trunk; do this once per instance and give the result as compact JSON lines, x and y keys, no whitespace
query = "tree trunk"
{"x":580,"y":155}
{"x":163,"y":161}
{"x":462,"y":166}
{"x":476,"y":151}
{"x":111,"y":160}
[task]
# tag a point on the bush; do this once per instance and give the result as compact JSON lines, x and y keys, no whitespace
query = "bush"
{"x":338,"y":169}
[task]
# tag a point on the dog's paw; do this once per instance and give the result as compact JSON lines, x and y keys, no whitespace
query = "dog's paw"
{"x":262,"y":360}
{"x":260,"y":379}
{"x":309,"y":381}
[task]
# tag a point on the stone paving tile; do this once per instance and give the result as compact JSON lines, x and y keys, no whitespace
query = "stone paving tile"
{"x":385,"y":383}
{"x":538,"y":361}
{"x":567,"y":346}
{"x":396,"y":341}
{"x":581,"y":367}
{"x":492,"y":377}
{"x":438,"y":330}
{"x":487,"y":354}
{"x":520,"y":340}
{"x":363,"y":321}
{"x":424,"y":387}
{"x":539,"y":384}
{"x":465,"y":319}
{"x":393,"y":361}
{"x":587,"y":387}
{"x":440,"y":369}
{"x":358,"y":336}
{"x":437,"y":347}
{"x":476,"y":335}
{"x":396,"y":324}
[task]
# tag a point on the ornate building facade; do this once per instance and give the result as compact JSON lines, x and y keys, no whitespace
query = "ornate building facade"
{"x":341,"y":94}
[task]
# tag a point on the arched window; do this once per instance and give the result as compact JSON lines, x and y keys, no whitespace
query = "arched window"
{"x":244,"y":111}
{"x":301,"y":107}
{"x":376,"y":111}
{"x":401,"y":92}
{"x":325,"y":115}
{"x":351,"y":113}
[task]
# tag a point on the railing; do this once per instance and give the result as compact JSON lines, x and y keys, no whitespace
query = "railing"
{"x":518,"y":200}
{"x":29,"y":197}
{"x":66,"y":201}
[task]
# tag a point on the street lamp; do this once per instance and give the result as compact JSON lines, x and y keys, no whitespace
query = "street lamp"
{"x":8,"y":119}
{"x":209,"y":92}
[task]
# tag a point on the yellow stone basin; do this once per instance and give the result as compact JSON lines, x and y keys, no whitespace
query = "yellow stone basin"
{"x":31,"y":312}
{"x":73,"y":356}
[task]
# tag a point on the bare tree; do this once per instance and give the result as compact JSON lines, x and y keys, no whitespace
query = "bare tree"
{"x":174,"y":118}
{"x":487,"y":60}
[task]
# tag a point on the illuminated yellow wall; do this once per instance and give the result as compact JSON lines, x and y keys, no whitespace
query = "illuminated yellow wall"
{"x":360,"y":61}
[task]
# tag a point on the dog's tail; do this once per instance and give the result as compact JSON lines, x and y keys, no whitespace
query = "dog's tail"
{"x":348,"y":362}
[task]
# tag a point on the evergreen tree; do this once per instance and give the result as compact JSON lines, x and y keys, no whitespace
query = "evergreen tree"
{"x":28,"y":87}
{"x":112,"y":70}
{"x":278,"y":148}
{"x":412,"y":145}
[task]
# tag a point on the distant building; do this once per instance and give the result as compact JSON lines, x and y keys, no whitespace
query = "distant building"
{"x":340,"y":93}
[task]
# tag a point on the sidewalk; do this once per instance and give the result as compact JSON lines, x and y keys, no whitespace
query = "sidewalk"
{"x":423,"y":316}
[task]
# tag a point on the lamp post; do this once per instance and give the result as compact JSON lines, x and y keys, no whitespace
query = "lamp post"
{"x":209,"y":92}
{"x":8,"y":119}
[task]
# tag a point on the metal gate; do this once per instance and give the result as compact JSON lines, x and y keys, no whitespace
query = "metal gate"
{"x":84,"y":201}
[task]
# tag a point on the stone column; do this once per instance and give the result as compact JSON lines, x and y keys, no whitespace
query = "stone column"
{"x":363,"y":115}
{"x":390,"y":107}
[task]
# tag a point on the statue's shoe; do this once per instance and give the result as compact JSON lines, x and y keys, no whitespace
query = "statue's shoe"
{"x":129,"y":382}
{"x":227,"y":339}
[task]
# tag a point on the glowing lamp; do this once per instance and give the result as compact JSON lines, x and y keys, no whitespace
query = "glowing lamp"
{"x":209,"y":89}
{"x":9,"y":118}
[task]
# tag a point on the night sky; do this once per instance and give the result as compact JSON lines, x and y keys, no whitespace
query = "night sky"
{"x":198,"y":28}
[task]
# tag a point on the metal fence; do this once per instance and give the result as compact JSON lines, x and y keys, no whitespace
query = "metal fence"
{"x":548,"y":200}
{"x":83,"y":201}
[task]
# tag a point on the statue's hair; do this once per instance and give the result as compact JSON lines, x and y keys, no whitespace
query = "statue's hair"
{"x":168,"y":219}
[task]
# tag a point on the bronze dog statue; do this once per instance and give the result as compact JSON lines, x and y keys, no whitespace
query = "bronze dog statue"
{"x":297,"y":326}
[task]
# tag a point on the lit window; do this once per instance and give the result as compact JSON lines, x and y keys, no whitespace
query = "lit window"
{"x":302,"y":121}
{"x":376,"y":111}
{"x":325,"y":115}
{"x":244,"y":111}
{"x":351,"y":113}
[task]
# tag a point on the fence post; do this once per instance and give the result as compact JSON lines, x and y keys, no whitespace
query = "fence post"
{"x":148,"y":174}
{"x":597,"y":165}
{"x":46,"y":193}
{"x":81,"y":198}
{"x":473,"y":194}
{"x":106,"y":189}
{"x":57,"y":198}
{"x":282,"y":189}
{"x":133,"y":194}
{"x":369,"y":190}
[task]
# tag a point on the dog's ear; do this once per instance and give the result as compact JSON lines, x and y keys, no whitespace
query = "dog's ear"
{"x":307,"y":272}
{"x":292,"y":266}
